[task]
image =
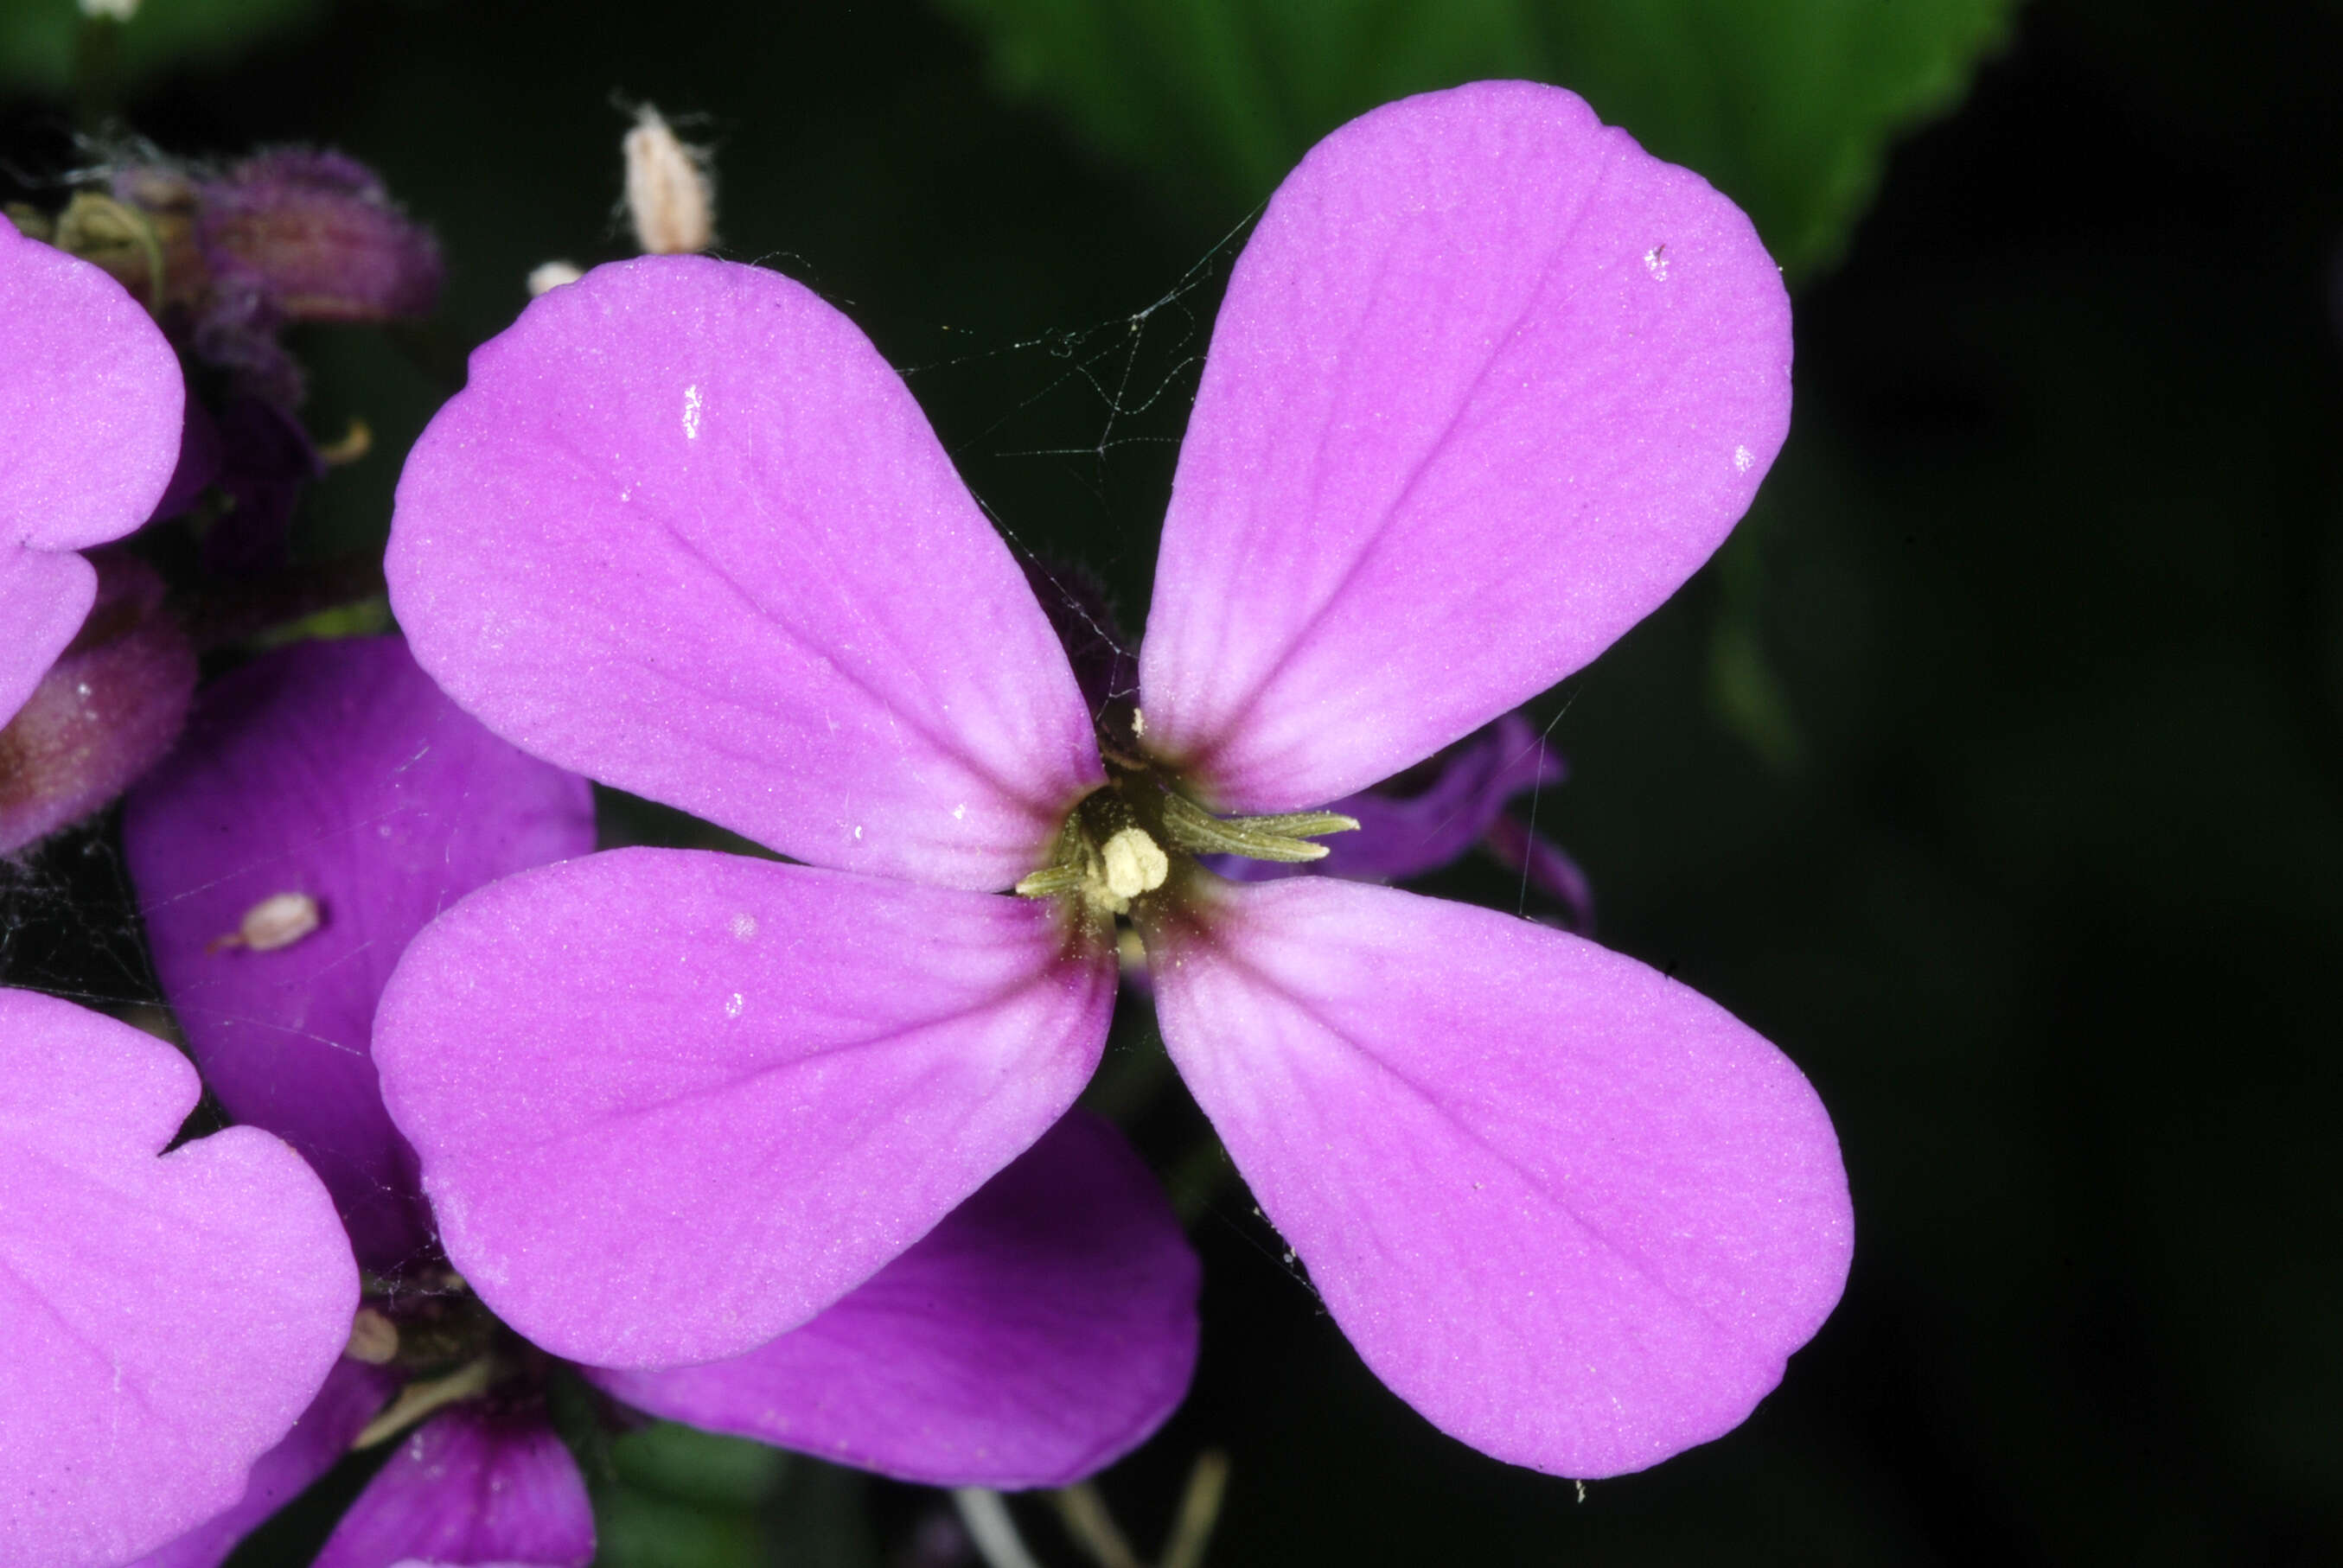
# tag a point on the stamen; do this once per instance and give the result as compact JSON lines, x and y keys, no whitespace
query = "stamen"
{"x":1051,"y":880}
{"x":547,"y":275}
{"x":420,"y":1399}
{"x":374,"y":1339}
{"x":276,"y":922}
{"x":356,"y":442}
{"x":1284,"y":838}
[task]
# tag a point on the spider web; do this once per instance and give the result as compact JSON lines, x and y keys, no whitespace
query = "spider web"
{"x":69,"y":925}
{"x":1073,"y":464}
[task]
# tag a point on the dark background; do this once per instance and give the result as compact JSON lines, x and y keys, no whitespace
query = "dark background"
{"x":1993,"y":772}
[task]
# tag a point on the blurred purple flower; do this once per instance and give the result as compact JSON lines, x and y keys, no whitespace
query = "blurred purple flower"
{"x":316,"y":236}
{"x":227,"y":262}
{"x":266,"y":461}
{"x":91,"y":403}
{"x":163,"y":1320}
{"x":288,"y":235}
{"x":1440,"y":811}
{"x":1037,"y":1332}
{"x":1488,"y":384}
{"x":294,"y":236}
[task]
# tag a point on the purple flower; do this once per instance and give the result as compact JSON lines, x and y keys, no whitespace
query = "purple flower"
{"x":265,"y":462}
{"x":162,"y":1321}
{"x":91,"y":403}
{"x":1488,"y":384}
{"x":1040,"y":1330}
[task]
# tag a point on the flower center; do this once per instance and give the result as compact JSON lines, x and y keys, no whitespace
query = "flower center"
{"x":1139,"y":836}
{"x":448,"y":1348}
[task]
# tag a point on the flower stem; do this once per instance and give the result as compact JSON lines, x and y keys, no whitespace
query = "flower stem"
{"x":991,"y":1528}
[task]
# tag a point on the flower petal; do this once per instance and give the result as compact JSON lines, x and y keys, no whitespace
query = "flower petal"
{"x":337,"y":772}
{"x":1489,"y":383}
{"x":1042,"y":1330}
{"x":1574,"y":1213}
{"x":45,"y":597}
{"x":671,"y":1103}
{"x":685,"y":532}
{"x":163,"y":1321}
{"x":91,"y":402}
{"x":353,"y":1393}
{"x":470,"y":1489}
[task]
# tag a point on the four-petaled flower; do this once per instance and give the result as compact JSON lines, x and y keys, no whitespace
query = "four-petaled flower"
{"x":685,"y":532}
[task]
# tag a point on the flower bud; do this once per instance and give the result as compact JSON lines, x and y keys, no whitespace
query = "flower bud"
{"x":669,"y":194}
{"x":104,"y":713}
{"x":316,"y":234}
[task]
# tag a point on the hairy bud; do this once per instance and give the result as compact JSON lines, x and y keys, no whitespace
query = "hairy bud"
{"x":670,"y":195}
{"x":318,"y":237}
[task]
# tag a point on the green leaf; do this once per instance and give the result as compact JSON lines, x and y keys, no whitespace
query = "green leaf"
{"x":1786,"y":106}
{"x":41,"y":40}
{"x":689,"y":1465}
{"x":639,"y":1530}
{"x":671,"y":1496}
